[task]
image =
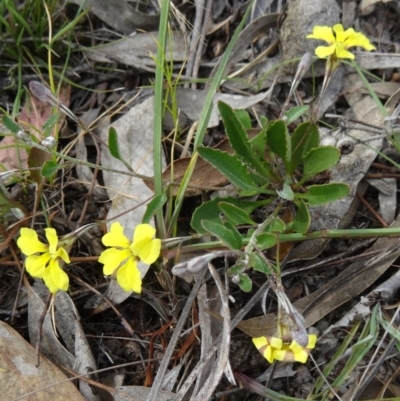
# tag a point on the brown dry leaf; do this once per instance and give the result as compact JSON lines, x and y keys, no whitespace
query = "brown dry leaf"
{"x":259,"y":326}
{"x":34,"y":114}
{"x":204,"y":174}
{"x":351,"y":282}
{"x":20,"y":375}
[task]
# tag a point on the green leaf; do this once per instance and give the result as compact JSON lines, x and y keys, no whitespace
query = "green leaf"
{"x":278,"y":226}
{"x":49,"y":124}
{"x":266,"y":240}
{"x":49,"y":169}
{"x":235,"y":214}
{"x":305,"y":137}
{"x":238,"y":267}
{"x":258,"y":263}
{"x":154,"y":206}
{"x":245,"y":283}
{"x":320,"y":194}
{"x":238,"y":139}
{"x":231,"y":238}
{"x":10,"y":124}
{"x":230,"y":166}
{"x":278,"y":140}
{"x":113,"y":147}
{"x":302,"y":221}
{"x":287,"y":192}
{"x":244,"y":117}
{"x":259,"y":143}
{"x":211,"y":211}
{"x":319,"y":159}
{"x":295,"y":112}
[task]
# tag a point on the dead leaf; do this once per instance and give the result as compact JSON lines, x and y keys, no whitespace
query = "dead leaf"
{"x":136,"y":51}
{"x":129,"y":195}
{"x":20,"y":376}
{"x":34,"y":114}
{"x":204,"y":174}
{"x":138,"y":393}
{"x":120,"y":15}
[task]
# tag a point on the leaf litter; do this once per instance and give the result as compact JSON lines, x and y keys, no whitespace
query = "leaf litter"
{"x":99,"y":339}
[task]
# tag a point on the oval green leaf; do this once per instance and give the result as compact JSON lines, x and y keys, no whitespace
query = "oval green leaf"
{"x":228,"y":236}
{"x":320,"y":194}
{"x":230,"y":166}
{"x":319,"y":159}
{"x":235,"y":214}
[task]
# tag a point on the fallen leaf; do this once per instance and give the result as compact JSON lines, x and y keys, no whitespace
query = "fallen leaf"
{"x":20,"y":376}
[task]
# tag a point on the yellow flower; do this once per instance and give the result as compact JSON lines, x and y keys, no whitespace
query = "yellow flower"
{"x":43,"y":260}
{"x":295,"y":352}
{"x":124,"y":254}
{"x":267,"y":346}
{"x":339,"y":41}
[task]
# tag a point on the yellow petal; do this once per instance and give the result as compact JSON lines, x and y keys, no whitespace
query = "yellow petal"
{"x":301,"y":356}
{"x":342,"y":35}
{"x":36,"y":264}
{"x":262,"y":344}
{"x":295,"y":346}
{"x":358,"y":39}
{"x":143,"y":231}
{"x":325,"y":51}
{"x":112,"y":258}
{"x":312,"y":340}
{"x":276,"y":342}
{"x":150,"y":252}
{"x":116,"y":237}
{"x":29,"y":243}
{"x":62,"y":253}
{"x":341,"y":52}
{"x":280,"y":355}
{"x":51,"y":236}
{"x":55,"y":278}
{"x":128,"y":277}
{"x":322,"y":33}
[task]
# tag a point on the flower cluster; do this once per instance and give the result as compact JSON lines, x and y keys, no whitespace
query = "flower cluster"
{"x":123,"y":256}
{"x":43,"y":260}
{"x":274,"y":349}
{"x":339,"y":41}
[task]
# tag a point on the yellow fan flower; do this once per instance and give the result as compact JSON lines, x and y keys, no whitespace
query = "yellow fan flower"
{"x":267,"y":346}
{"x":339,"y":41}
{"x":43,"y":259}
{"x":295,"y":352}
{"x":124,"y":254}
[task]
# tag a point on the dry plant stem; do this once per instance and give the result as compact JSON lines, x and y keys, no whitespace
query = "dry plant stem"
{"x":123,"y":320}
{"x":238,"y":318}
{"x":92,"y":183}
{"x":195,"y":37}
{"x":172,"y":343}
{"x":9,"y":237}
{"x":324,"y":378}
{"x":369,"y":372}
{"x":382,"y":256}
{"x":223,"y":355}
{"x":40,"y":328}
{"x":200,"y":47}
{"x":372,"y":210}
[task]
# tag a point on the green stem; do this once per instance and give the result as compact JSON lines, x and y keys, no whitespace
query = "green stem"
{"x":297,"y":237}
